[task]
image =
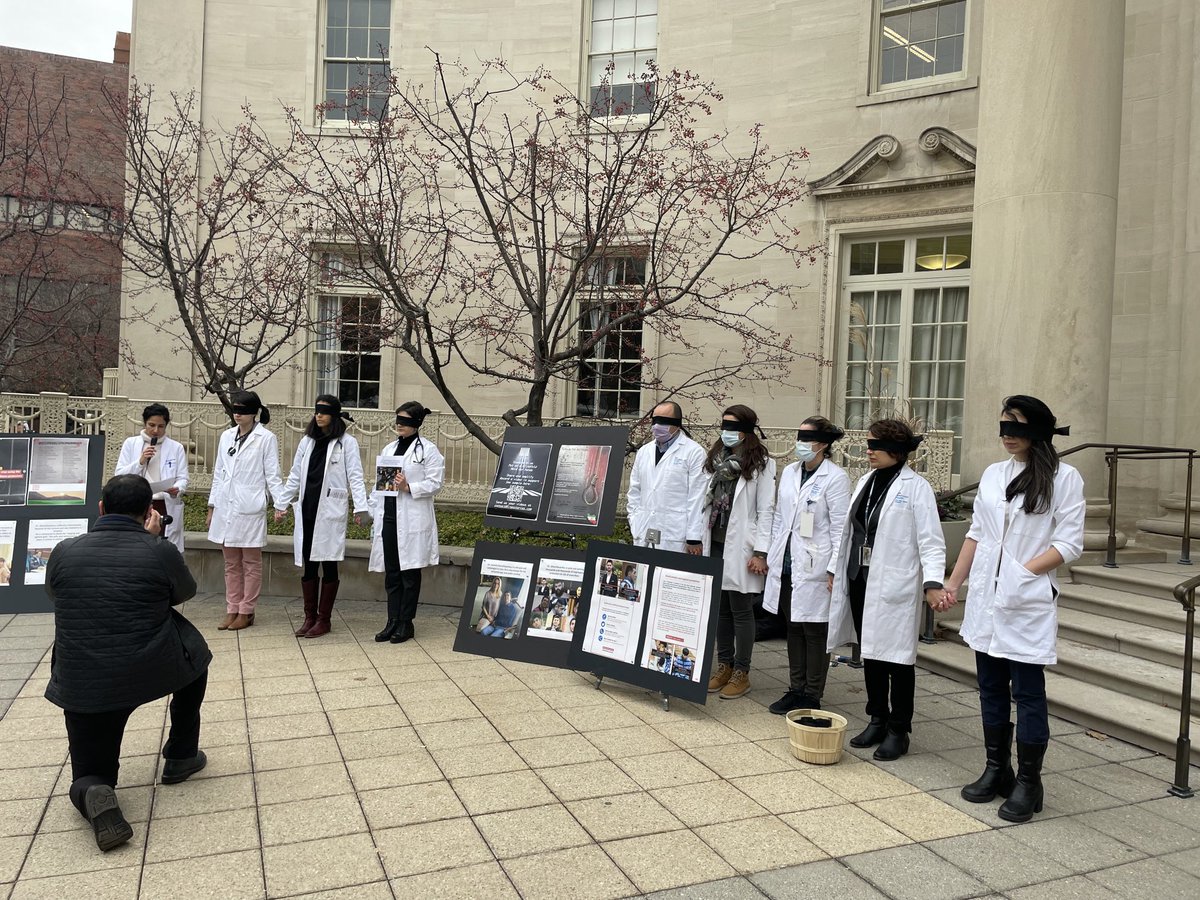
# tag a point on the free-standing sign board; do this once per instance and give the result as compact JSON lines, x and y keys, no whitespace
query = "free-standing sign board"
{"x":558,"y":479}
{"x":521,"y":603}
{"x":648,"y":617}
{"x":49,"y":490}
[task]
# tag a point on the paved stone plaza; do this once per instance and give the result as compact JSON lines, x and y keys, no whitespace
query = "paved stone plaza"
{"x":341,"y":768}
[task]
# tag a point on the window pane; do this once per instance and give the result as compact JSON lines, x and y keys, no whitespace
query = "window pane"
{"x":929,"y":253}
{"x":951,"y":19}
{"x":380,"y":43}
{"x":598,"y":70}
{"x":923,"y":341}
{"x":958,"y":251}
{"x":954,"y":304}
{"x":623,"y":68}
{"x":922,"y":24}
{"x":862,"y":259}
{"x":358,"y":43}
{"x":623,"y":34}
{"x":360,"y":11}
{"x":888,"y":343}
{"x":891,"y":257}
{"x":925,"y":306}
{"x":949,"y":55}
{"x":335,"y":76}
{"x":381,"y":13}
{"x":647,"y":6}
{"x":895,"y":29}
{"x":643,"y":98}
{"x":920,"y":60}
{"x":892,"y":66}
{"x":335,"y":42}
{"x":856,"y":380}
{"x":953,"y":342}
{"x":602,"y":9}
{"x":622,"y":100}
{"x":624,"y":8}
{"x":920,"y":380}
{"x":950,"y":379}
{"x":602,"y":39}
{"x":337,"y":12}
{"x":887,"y":307}
{"x":646,"y":34}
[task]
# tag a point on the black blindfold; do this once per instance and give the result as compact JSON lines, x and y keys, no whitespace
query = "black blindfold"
{"x":744,"y":427}
{"x":1009,"y":428}
{"x":819,"y":437}
{"x":244,"y":410}
{"x":324,"y":409}
{"x":676,"y":421}
{"x":888,"y":446}
{"x":405,"y":420}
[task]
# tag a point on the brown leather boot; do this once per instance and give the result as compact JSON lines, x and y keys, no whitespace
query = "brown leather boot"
{"x":308,"y":590}
{"x":227,"y":621}
{"x":329,"y":591}
{"x":239,"y":622}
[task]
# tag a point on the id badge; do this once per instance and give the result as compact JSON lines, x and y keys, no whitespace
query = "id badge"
{"x":864,"y":558}
{"x":807,"y":523}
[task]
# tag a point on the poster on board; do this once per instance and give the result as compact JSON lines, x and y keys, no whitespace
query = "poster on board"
{"x":58,"y":471}
{"x":558,"y":479}
{"x":648,"y":617}
{"x":521,"y":603}
{"x":14,"y":470}
{"x":8,"y":546}
{"x":44,"y":536}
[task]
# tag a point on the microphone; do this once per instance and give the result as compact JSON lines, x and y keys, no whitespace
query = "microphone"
{"x":154,"y":440}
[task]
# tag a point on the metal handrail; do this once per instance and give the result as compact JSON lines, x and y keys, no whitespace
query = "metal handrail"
{"x":1185,"y":593}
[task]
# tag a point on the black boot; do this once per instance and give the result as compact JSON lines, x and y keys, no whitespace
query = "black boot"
{"x":894,"y":746}
{"x":998,"y":777}
{"x":404,"y":632}
{"x":1027,"y":794}
{"x":393,"y":620}
{"x":872,"y":734}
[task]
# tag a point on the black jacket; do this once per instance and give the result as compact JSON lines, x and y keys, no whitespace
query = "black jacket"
{"x":117,"y":641}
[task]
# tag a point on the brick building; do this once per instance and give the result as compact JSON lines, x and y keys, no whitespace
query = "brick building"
{"x":61,"y":174}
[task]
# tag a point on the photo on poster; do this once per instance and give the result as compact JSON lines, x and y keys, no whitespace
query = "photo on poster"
{"x":386,"y":470}
{"x":556,"y":596}
{"x":500,"y":598}
{"x":8,"y":544}
{"x":14,"y":470}
{"x":58,"y":471}
{"x":519,"y":489}
{"x":678,"y":623}
{"x":579,"y":482}
{"x":615,"y":621}
{"x":44,"y":536}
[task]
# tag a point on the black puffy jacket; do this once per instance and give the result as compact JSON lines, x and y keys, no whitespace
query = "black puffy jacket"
{"x":117,"y":641}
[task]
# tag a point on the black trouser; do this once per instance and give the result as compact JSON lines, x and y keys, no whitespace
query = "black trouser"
{"x":883,"y":678}
{"x":808,"y":658}
{"x":735,"y":623}
{"x":329,"y":566}
{"x":95,"y":738}
{"x":1028,"y":689}
{"x":403,"y":586}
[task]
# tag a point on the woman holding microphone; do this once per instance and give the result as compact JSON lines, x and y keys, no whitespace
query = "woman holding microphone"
{"x":326,"y":473}
{"x":405,"y":536}
{"x":810,"y":513}
{"x":247,"y":468}
{"x":158,"y":458}
{"x":1028,"y":521}
{"x":891,"y":556}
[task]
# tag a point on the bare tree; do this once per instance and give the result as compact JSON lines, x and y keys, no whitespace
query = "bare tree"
{"x":515,"y":238}
{"x":204,"y":222}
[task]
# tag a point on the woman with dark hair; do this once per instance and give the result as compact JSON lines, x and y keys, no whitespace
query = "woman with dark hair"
{"x":737,"y":517}
{"x":160,"y":460}
{"x":326,"y":473}
{"x":405,"y":537}
{"x":247,"y":468}
{"x":810,"y":513}
{"x":1028,"y":521}
{"x":891,"y":555}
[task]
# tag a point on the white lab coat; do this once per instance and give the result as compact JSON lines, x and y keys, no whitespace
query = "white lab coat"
{"x":343,"y":480}
{"x":908,"y":551}
{"x":1010,"y":612}
{"x":172,"y":463}
{"x":239,"y":488}
{"x":749,"y":529}
{"x":668,"y":496}
{"x":416,"y":526}
{"x":826,"y":495}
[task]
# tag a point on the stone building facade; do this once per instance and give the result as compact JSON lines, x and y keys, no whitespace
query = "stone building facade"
{"x":1008,"y":190}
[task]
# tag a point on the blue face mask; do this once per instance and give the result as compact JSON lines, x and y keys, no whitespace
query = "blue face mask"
{"x":804,"y":451}
{"x":731,"y":438}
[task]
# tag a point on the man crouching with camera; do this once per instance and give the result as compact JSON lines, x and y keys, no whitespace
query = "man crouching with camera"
{"x":118,"y":643}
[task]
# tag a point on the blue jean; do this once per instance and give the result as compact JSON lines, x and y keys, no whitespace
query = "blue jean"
{"x":493,"y":631}
{"x":1028,"y":682}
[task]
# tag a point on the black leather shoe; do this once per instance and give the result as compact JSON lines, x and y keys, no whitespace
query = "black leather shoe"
{"x":177,"y":770}
{"x":871,"y":735}
{"x":108,"y":822}
{"x":894,"y":746}
{"x":785,"y":704}
{"x":403,"y":633}
{"x":388,"y":630}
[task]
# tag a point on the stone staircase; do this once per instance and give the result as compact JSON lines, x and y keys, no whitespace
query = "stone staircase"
{"x":1120,"y":652}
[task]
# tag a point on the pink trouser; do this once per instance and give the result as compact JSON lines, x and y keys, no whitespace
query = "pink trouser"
{"x":243,"y":578}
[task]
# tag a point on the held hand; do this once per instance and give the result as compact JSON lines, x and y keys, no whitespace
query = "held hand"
{"x":173,"y":491}
{"x":933,"y":597}
{"x":358,"y":518}
{"x":280,"y":515}
{"x":757,"y":565}
{"x":402,"y":484}
{"x":154,"y":521}
{"x":695,"y":549}
{"x":950,"y":597}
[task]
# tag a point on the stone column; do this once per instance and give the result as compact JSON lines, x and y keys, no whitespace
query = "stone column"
{"x":1045,"y":221}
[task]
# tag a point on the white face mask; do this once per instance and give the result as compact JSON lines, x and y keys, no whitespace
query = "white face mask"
{"x":731,"y":438}
{"x":804,"y":451}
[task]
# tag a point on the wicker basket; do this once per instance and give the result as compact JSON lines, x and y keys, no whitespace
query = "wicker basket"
{"x":822,"y":746}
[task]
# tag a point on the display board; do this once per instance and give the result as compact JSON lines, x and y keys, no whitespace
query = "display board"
{"x":648,"y":617}
{"x":49,"y":491}
{"x":521,"y":603}
{"x":558,"y":479}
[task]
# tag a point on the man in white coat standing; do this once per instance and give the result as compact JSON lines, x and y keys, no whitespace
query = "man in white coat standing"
{"x":667,"y":486}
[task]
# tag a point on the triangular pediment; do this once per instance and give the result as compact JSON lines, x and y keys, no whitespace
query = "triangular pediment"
{"x":941,"y":157}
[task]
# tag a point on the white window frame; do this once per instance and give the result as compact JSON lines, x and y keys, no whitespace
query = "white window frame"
{"x":907,"y":282}
{"x":611,"y":293}
{"x":878,"y":14}
{"x":329,"y":289}
{"x":588,"y":54}
{"x":323,"y":61}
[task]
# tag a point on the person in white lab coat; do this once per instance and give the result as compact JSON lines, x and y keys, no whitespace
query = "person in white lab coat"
{"x":737,"y":516}
{"x":891,"y":555}
{"x":405,"y":537}
{"x":1027,"y":521}
{"x":810,"y":513}
{"x":158,"y":458}
{"x":326,"y":473}
{"x":667,"y":485}
{"x":247,"y":468}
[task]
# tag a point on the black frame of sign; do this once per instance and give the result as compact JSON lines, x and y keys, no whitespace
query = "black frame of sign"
{"x":525,"y":647}
{"x":634,"y":673}
{"x":17,"y":596}
{"x":559,"y":516}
